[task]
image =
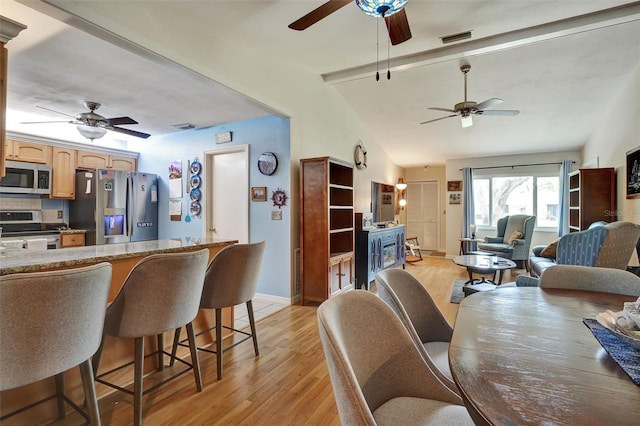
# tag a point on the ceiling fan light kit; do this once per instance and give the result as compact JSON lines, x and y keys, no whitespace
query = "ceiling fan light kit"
{"x":381,"y":8}
{"x":91,"y":132}
{"x":466,"y":108}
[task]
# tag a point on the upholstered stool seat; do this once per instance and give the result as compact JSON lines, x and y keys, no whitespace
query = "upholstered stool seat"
{"x":161,"y":293}
{"x":49,"y":323}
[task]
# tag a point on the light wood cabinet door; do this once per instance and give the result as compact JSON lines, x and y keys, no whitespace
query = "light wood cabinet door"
{"x":71,"y":240}
{"x":63,"y":170}
{"x":123,"y":163}
{"x":91,"y":160}
{"x":96,"y":160}
{"x":28,"y":151}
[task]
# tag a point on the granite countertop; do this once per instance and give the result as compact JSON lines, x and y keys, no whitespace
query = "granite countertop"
{"x":73,"y":231}
{"x":14,"y":261}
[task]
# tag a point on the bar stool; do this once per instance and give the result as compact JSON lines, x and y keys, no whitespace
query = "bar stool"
{"x":49,"y":323}
{"x":231,"y":279}
{"x":161,"y":293}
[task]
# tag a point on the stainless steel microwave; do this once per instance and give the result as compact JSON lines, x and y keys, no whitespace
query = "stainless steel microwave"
{"x":26,"y":178}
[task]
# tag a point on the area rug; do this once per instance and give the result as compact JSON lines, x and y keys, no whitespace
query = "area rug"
{"x":457,"y":294}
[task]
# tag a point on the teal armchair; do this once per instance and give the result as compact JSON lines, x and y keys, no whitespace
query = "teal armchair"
{"x":516,"y":249}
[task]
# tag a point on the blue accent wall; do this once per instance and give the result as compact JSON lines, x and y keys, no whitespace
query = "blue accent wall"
{"x":261,"y":134}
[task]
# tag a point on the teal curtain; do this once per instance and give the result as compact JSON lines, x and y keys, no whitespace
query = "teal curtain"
{"x":468,"y":214}
{"x":563,"y":223}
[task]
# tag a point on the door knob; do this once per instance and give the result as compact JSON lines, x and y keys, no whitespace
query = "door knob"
{"x":212,"y":229}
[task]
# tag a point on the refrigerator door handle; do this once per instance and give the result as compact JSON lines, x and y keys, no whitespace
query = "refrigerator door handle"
{"x":130,"y":201}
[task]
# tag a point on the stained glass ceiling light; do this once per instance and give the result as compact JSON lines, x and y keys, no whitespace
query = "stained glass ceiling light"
{"x":381,"y":8}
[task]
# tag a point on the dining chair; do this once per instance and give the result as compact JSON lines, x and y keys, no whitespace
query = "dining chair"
{"x":422,"y":318}
{"x":51,"y":322}
{"x":161,"y":293}
{"x":231,"y":279}
{"x":591,"y":278}
{"x":378,"y":376}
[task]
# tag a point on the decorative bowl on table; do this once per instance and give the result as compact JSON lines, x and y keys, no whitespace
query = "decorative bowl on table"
{"x":621,"y":327}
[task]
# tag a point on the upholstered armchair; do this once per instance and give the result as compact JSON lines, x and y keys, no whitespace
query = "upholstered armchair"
{"x":513,"y":239}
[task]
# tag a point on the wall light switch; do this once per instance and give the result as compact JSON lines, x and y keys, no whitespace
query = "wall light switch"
{"x":59,"y":214}
{"x":276,"y":215}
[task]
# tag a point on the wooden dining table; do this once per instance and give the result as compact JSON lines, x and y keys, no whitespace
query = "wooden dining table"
{"x":523,"y":356}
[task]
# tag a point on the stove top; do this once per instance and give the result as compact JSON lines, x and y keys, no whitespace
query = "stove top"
{"x":23,"y":223}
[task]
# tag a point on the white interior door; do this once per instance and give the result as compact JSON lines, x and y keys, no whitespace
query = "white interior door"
{"x":227,"y":194}
{"x":423,"y":220}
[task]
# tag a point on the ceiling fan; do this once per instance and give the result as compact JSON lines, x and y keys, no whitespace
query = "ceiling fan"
{"x":467,"y":108}
{"x":94,"y":126}
{"x":391,"y":10}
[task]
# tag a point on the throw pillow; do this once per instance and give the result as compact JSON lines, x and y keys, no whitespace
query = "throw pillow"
{"x":515,"y":236}
{"x":550,"y":250}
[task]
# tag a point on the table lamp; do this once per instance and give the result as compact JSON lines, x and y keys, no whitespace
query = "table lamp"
{"x":472,"y":228}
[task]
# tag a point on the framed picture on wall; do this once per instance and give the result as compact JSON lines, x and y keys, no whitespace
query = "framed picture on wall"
{"x":387,"y":199}
{"x":258,"y":193}
{"x":454,"y":198}
{"x":633,"y":173}
{"x":454,"y":185}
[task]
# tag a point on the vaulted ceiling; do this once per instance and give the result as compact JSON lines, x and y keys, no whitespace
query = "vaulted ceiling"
{"x":561,"y":64}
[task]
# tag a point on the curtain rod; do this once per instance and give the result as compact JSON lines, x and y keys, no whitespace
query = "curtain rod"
{"x":517,"y":165}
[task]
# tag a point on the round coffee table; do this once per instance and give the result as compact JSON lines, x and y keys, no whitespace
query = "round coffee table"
{"x":484,"y":264}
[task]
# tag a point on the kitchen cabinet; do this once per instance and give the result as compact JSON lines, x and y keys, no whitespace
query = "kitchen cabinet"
{"x":27,"y":151}
{"x":326,"y":228}
{"x":63,"y":170}
{"x":97,"y":160}
{"x":592,"y":197}
{"x":72,"y":239}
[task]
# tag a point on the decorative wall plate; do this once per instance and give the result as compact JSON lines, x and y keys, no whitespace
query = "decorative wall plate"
{"x":279,"y":198}
{"x":196,"y":167}
{"x":195,"y":208}
{"x":195,"y":194}
{"x":195,"y":181}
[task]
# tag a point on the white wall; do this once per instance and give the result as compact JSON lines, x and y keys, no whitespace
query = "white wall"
{"x":454,"y":211}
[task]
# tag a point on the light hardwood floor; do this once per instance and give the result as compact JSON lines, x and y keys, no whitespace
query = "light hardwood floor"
{"x":288,"y":384}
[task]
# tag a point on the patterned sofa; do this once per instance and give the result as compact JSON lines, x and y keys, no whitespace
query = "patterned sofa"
{"x":607,"y":246}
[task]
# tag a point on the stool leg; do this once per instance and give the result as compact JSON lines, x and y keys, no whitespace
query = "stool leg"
{"x":137,"y":381}
{"x":86,"y":373}
{"x":62,"y":412}
{"x":195,"y":362}
{"x":219,"y":341}
{"x":174,"y":349}
{"x":160,"y":352}
{"x":252,"y":322}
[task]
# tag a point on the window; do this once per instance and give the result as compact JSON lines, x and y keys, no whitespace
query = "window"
{"x":498,"y":196}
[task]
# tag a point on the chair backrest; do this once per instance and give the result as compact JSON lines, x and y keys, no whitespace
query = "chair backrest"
{"x":589,"y":278}
{"x":619,"y":244}
{"x":413,"y":305}
{"x":369,"y":364}
{"x":161,"y":293}
{"x":418,"y":312}
{"x":519,"y":222}
{"x":50,"y":321}
{"x":232,"y":276}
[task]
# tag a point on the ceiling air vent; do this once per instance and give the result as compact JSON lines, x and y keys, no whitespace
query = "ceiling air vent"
{"x":183,"y":126}
{"x":456,"y":37}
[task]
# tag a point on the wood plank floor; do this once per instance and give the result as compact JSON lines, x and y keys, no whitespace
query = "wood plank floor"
{"x":288,"y":384}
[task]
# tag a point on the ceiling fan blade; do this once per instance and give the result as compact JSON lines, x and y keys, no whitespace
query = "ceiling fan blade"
{"x":128,"y":132}
{"x":398,"y":27}
{"x":120,"y":120}
{"x":45,"y":122}
{"x":443,"y":109}
{"x":57,"y":112}
{"x":488,"y":103}
{"x":504,"y":112}
{"x":438,"y":119}
{"x":318,"y":13}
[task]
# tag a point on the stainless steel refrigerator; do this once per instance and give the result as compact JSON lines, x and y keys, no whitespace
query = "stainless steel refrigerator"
{"x":115,"y":206}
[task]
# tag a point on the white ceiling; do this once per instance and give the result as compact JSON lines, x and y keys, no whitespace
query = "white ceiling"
{"x":562,"y":77}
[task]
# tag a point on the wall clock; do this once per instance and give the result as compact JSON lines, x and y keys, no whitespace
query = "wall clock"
{"x":267,"y":163}
{"x":360,"y":157}
{"x":279,"y":198}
